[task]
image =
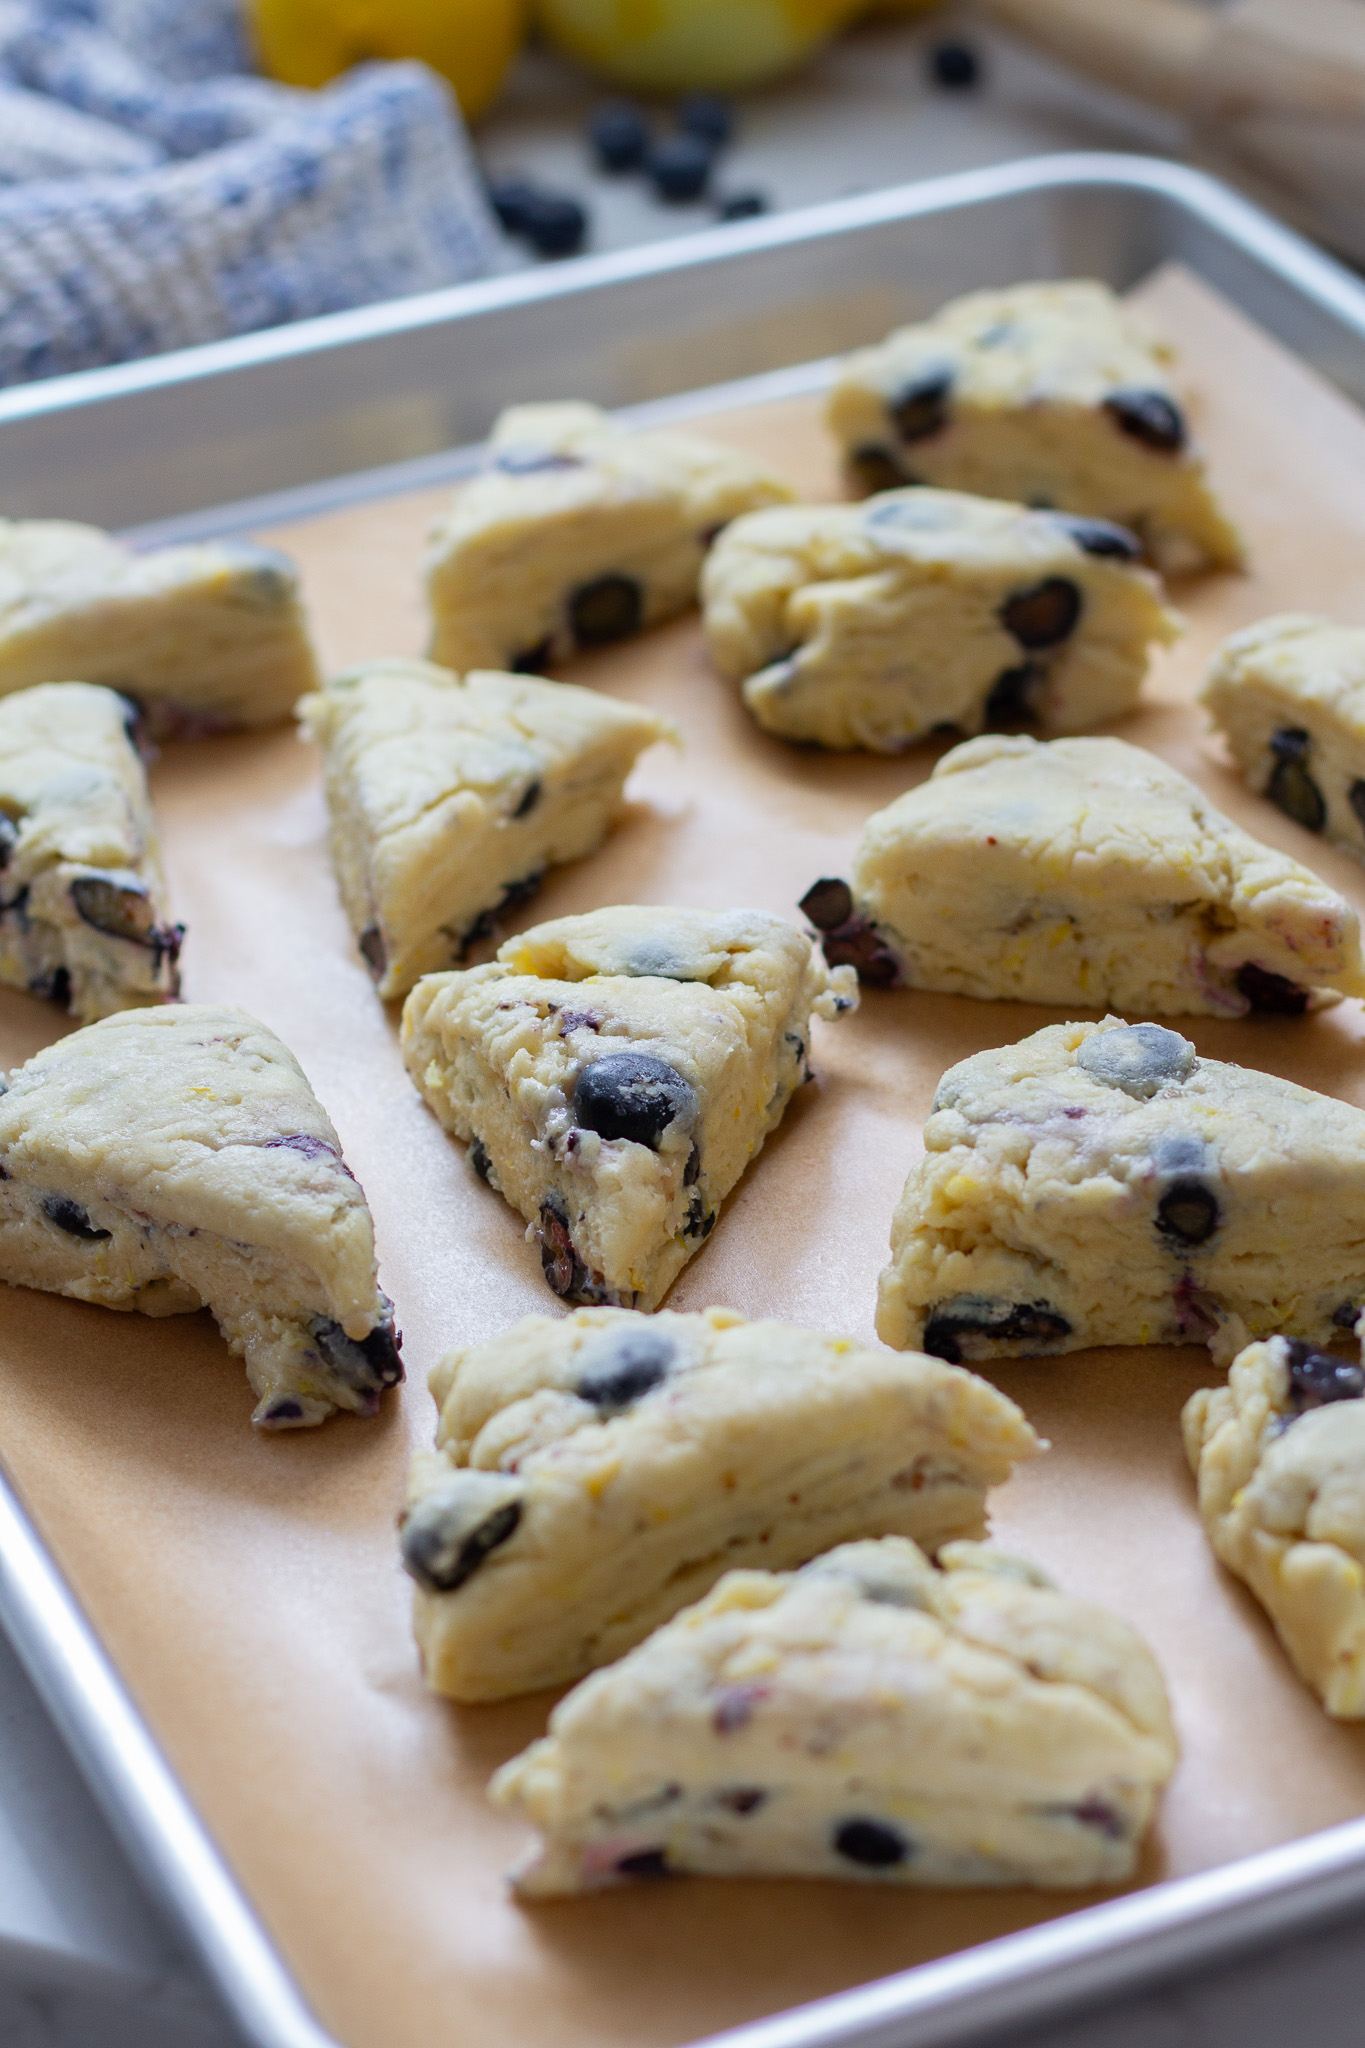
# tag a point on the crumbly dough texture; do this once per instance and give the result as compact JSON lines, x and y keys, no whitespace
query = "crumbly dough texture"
{"x":1053,"y":394}
{"x":614,"y":1074}
{"x":1086,"y":872}
{"x":867,"y":1717}
{"x":450,"y":795}
{"x":1279,"y":1455}
{"x":176,"y":1159}
{"x":202,"y":637}
{"x":873,"y":625}
{"x":1101,"y":1184}
{"x":1288,"y":696}
{"x":84,"y":917}
{"x":578,"y":533}
{"x":630,"y":1463}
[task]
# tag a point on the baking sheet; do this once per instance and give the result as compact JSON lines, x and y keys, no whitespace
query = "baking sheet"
{"x":248,"y":1588}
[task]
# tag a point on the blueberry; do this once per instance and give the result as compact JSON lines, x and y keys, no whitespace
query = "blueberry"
{"x":1100,"y":1815}
{"x":1317,"y":1377}
{"x":1290,"y":785}
{"x":619,"y":134}
{"x":1356,"y":798}
{"x":54,"y":987}
{"x":9,"y":839}
{"x":700,"y":1219}
{"x":477,"y":1155}
{"x":1273,"y":994}
{"x":1149,"y":417}
{"x":554,"y":224}
{"x":828,"y":903}
{"x":1101,"y":537}
{"x":1345,"y":1315}
{"x":1140,"y":1059}
{"x":920,"y":408}
{"x":530,"y":797}
{"x":608,"y":608}
{"x":72,"y":1218}
{"x":708,"y":115}
{"x":121,"y":909}
{"x":1027,"y":1323}
{"x":373,"y":950}
{"x":954,"y":66}
{"x":632,"y":1095}
{"x":860,"y":945}
{"x":282,"y":1412}
{"x":1188,"y":1212}
{"x":645,"y":1863}
{"x":308,"y":1148}
{"x":628,"y":1365}
{"x":269,"y":578}
{"x":564,"y":1271}
{"x":1043,"y":615}
{"x":680,"y":167}
{"x":741,"y":206}
{"x":509,"y":198}
{"x":447,"y":1536}
{"x":742,"y":1799}
{"x":532,"y":660}
{"x":1011,"y":701}
{"x":365,"y":1364}
{"x":871,"y":1842}
{"x":876,"y":469}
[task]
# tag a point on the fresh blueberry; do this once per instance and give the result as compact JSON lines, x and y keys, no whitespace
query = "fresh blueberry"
{"x":1149,"y":417}
{"x":708,"y":115}
{"x":1101,"y":537}
{"x":1273,"y":994}
{"x":72,"y":1218}
{"x":632,"y":1096}
{"x":448,"y":1536}
{"x":954,"y":66}
{"x":1188,"y":1212}
{"x":871,"y":1842}
{"x":1317,"y":1377}
{"x":365,"y":1364}
{"x":626,"y":1367}
{"x":876,"y":469}
{"x":619,"y":134}
{"x":828,"y":903}
{"x":609,"y":608}
{"x":953,"y":1325}
{"x":1043,"y":615}
{"x":741,"y":205}
{"x":645,"y":1863}
{"x":1011,"y":701}
{"x":1290,"y":785}
{"x":920,"y":407}
{"x":680,"y":167}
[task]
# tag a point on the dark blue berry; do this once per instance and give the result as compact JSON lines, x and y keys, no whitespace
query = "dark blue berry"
{"x":954,"y":66}
{"x":1043,"y":615}
{"x":1149,"y":417}
{"x":741,"y":205}
{"x":708,"y":115}
{"x":680,"y":167}
{"x":871,"y":1842}
{"x":632,"y":1095}
{"x":629,"y":1366}
{"x":619,"y":134}
{"x":72,"y":1218}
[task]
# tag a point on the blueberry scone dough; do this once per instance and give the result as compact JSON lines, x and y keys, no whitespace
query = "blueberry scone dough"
{"x":1053,"y":394}
{"x":1083,"y":872}
{"x":595,"y":1473}
{"x":614,"y":1074}
{"x":1101,"y":1184}
{"x":202,"y":637}
{"x":869,"y":1717}
{"x":923,"y":611}
{"x":1279,"y":1456}
{"x":84,"y":918}
{"x":177,"y":1159}
{"x":579,"y":533}
{"x":1288,"y":696}
{"x":450,"y":795}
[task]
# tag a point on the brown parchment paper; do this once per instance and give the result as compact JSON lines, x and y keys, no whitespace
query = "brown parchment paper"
{"x":248,"y":1587}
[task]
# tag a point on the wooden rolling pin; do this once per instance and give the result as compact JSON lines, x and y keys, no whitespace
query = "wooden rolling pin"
{"x":1274,"y":86}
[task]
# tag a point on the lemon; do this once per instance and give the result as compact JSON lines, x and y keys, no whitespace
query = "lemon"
{"x":692,"y":45}
{"x":470,"y":42}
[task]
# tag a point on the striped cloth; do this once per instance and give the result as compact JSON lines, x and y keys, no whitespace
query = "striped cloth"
{"x":146,"y":209}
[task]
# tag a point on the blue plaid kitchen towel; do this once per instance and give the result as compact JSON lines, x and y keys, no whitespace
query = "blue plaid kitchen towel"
{"x":153,"y":193}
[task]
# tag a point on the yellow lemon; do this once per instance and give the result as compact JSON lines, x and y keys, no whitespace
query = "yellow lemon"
{"x":692,"y":45}
{"x":471,"y":42}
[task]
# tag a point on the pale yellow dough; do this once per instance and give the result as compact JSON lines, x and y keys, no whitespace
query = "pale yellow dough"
{"x":203,"y":637}
{"x":595,"y":1473}
{"x":922,"y":611}
{"x":571,"y":502}
{"x":175,"y":1159}
{"x":1054,"y":394}
{"x":620,"y":1170}
{"x":84,"y":915}
{"x":1087,"y":872}
{"x":868,"y":1717}
{"x":1102,"y":1184}
{"x":1282,"y":1499}
{"x":450,"y":795}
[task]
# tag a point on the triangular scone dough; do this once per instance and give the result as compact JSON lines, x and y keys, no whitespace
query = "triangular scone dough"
{"x":614,"y":1074}
{"x":1288,"y":696}
{"x":1101,"y":1184}
{"x":176,"y":1159}
{"x":1087,"y":873}
{"x":1280,"y":1458}
{"x":594,"y":1473}
{"x":203,"y":637}
{"x":1054,"y":394}
{"x":83,"y":911}
{"x":578,"y":533}
{"x":450,"y":795}
{"x":874,"y":625}
{"x":868,"y":1717}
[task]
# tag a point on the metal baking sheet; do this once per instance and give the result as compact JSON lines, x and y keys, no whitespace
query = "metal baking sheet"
{"x":1020,"y":1974}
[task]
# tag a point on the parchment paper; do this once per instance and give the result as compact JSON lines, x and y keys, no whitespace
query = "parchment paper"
{"x":248,"y":1587}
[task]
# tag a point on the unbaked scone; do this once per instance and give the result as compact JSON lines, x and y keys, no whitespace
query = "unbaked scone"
{"x":1279,"y":1455}
{"x":579,"y":533}
{"x":449,"y":796}
{"x":1083,"y":872}
{"x":202,"y":637}
{"x":1101,"y":1184}
{"x":869,"y":1717}
{"x":929,"y":611}
{"x":84,"y":918}
{"x":1054,"y":394}
{"x":1288,"y":696}
{"x":614,"y":1074}
{"x":595,"y":1473}
{"x":177,"y":1159}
